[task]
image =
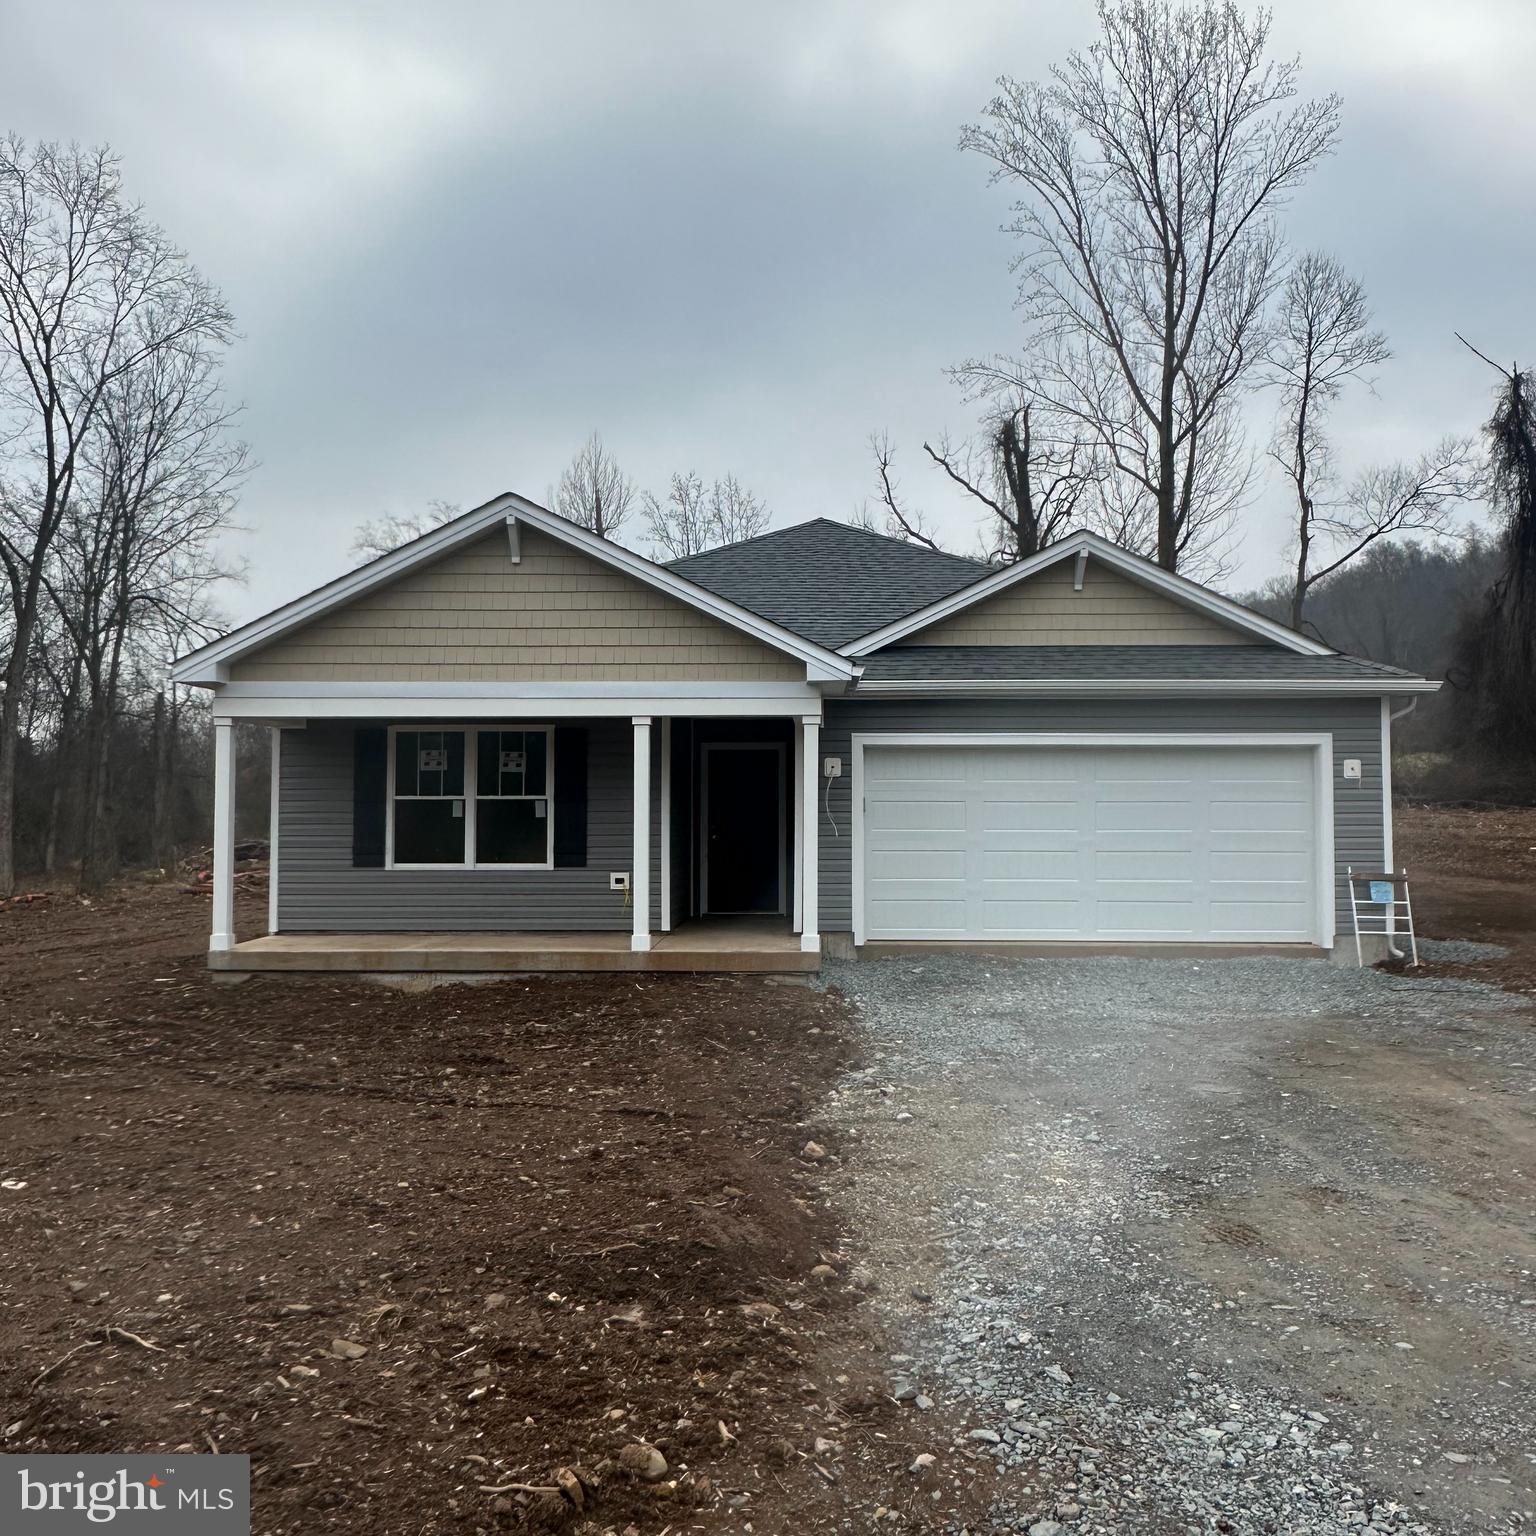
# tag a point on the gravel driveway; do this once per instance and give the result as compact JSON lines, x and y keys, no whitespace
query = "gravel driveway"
{"x":1183,"y":1246}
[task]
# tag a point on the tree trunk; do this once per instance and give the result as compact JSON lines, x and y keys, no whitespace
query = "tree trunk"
{"x":1167,"y":474}
{"x":10,"y":722}
{"x":94,"y":859}
{"x":161,"y":851}
{"x":1299,"y":591}
{"x":56,"y":798}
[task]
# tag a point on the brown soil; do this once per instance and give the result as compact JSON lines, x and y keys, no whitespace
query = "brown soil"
{"x":1472,"y":875}
{"x":560,"y":1216}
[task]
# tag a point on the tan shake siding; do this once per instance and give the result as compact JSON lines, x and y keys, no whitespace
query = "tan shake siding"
{"x":554,"y":616}
{"x":1044,"y":609}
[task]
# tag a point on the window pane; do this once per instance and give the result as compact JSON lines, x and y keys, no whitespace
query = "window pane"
{"x":429,"y":762}
{"x":406,"y":745}
{"x":487,"y":772}
{"x":428,"y":831}
{"x":536,"y":744}
{"x":511,"y":831}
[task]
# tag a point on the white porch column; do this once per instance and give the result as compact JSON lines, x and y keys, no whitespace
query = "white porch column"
{"x":797,"y":833}
{"x":223,"y":935}
{"x":665,"y":859}
{"x":640,"y":862}
{"x":272,"y":820}
{"x":810,"y":785}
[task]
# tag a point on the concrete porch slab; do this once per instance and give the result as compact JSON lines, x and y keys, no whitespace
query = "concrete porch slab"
{"x":719,"y":947}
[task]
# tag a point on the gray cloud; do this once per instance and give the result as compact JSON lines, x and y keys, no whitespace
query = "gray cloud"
{"x":734,"y":239}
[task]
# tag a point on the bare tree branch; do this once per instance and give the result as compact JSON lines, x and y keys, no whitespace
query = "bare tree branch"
{"x":1151,"y":169}
{"x":594,"y":492}
{"x":695,"y":517}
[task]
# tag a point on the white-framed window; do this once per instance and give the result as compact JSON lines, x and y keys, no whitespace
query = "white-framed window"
{"x":471,"y":797}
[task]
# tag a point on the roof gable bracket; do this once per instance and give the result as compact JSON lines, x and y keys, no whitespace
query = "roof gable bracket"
{"x":514,"y":548}
{"x":1079,"y":569}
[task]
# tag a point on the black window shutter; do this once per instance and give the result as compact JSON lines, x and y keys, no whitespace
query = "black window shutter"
{"x":570,"y":797}
{"x":370,"y":784}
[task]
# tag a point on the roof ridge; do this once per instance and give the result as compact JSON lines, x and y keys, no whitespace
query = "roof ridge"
{"x":844,"y":527}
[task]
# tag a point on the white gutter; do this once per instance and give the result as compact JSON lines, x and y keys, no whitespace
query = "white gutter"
{"x":1373,"y":687}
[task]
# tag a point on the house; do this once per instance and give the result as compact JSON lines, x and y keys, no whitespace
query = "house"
{"x":511,"y":745}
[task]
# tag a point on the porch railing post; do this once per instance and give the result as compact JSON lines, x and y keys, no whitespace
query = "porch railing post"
{"x":223,"y":936}
{"x":810,"y":783}
{"x":640,"y":863}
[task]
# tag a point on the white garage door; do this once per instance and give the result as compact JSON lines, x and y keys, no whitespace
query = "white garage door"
{"x":1132,"y":843}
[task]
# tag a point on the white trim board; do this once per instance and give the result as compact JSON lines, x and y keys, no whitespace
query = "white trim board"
{"x":279,"y":705}
{"x":1116,"y":688}
{"x":1083,"y":544}
{"x":1320,"y":743}
{"x":209,"y":664}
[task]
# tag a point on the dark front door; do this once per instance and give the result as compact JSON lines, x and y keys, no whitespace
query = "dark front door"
{"x":743,"y":831}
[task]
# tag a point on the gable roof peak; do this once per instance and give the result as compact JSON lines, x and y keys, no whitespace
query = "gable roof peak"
{"x":1082,"y":543}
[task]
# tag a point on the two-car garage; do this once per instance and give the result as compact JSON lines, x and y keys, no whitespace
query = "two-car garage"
{"x":1179,"y":839}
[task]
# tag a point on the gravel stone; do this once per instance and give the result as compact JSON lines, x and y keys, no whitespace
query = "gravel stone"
{"x":1080,"y":1116}
{"x":1459,"y":951}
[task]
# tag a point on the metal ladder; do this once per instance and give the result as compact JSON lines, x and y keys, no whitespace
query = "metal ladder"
{"x":1393,"y":911}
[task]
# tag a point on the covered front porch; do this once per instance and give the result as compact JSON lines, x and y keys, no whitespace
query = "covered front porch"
{"x":722,"y":945}
{"x":571,"y":840}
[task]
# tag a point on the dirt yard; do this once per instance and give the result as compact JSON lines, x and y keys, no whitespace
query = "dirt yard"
{"x":1473,"y":876}
{"x":403,"y":1249}
{"x":408,"y":1250}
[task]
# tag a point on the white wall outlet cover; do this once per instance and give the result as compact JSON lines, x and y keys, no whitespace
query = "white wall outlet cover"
{"x":1351,"y":767}
{"x":832,"y":767}
{"x":619,"y":880}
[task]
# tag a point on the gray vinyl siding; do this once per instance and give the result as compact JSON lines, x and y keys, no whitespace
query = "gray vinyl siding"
{"x":1355,"y":725}
{"x":319,"y":890}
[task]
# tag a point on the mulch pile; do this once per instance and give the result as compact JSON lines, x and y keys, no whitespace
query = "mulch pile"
{"x":410,"y":1251}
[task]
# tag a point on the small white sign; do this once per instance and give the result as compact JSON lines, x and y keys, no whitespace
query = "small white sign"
{"x":512,"y":762}
{"x":432,"y":759}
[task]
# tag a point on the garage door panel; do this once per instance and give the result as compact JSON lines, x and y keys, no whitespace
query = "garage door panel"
{"x":1144,"y":816}
{"x":913,"y":814}
{"x":1036,"y":864}
{"x":1024,"y":815}
{"x":1248,"y":817}
{"x":1144,"y":864}
{"x":1260,"y":920}
{"x":1137,"y":919}
{"x":917,"y":864}
{"x":918,"y":920}
{"x":1262,"y":866}
{"x":1117,"y":842}
{"x":1047,"y":918}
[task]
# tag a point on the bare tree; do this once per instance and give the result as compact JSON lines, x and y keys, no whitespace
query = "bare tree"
{"x":1496,"y":651}
{"x":594,"y":491}
{"x":695,"y":517}
{"x":1151,"y":169}
{"x":134,"y":559}
{"x":89,"y":290}
{"x":1035,"y":486}
{"x":381,"y":535}
{"x":895,"y":519}
{"x":1323,"y":339}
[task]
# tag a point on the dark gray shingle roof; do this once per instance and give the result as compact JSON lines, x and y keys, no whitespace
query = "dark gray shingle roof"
{"x":830,"y":582}
{"x":1092,"y":663}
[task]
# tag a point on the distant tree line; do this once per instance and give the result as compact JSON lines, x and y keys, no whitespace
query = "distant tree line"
{"x":118,"y":473}
{"x":1158,"y":300}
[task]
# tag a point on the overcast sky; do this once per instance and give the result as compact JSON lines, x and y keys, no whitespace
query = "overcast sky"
{"x":733,"y":238}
